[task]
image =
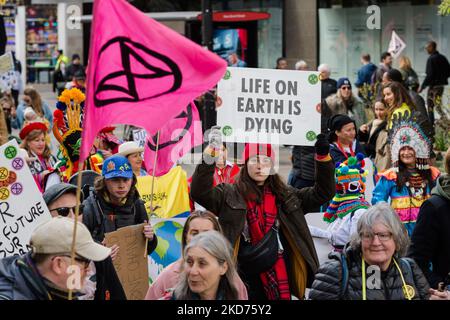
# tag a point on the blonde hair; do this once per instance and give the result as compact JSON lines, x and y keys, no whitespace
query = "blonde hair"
{"x":405,"y":63}
{"x":30,"y":137}
{"x":36,"y":101}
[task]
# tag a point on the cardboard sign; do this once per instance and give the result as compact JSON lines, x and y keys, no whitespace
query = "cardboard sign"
{"x":168,"y":250}
{"x":170,"y":194}
{"x":269,"y":106}
{"x":130,"y":263}
{"x":22,"y":207}
{"x":139,"y":136}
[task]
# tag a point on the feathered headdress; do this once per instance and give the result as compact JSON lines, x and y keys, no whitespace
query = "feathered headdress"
{"x":414,"y":131}
{"x":350,"y":185}
{"x":67,"y":128}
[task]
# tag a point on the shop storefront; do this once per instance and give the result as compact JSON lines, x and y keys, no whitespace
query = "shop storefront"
{"x":345,"y":32}
{"x":250,"y":31}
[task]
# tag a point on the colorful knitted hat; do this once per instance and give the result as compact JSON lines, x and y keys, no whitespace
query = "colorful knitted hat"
{"x":411,"y":130}
{"x":350,"y":178}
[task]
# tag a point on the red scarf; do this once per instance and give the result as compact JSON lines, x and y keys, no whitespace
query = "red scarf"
{"x":260,"y":218}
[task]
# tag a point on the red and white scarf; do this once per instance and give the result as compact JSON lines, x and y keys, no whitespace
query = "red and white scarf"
{"x":260,"y":219}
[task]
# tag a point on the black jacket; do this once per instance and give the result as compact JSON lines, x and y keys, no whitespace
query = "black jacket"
{"x":338,"y":156}
{"x":430,"y":241}
{"x":303,"y":162}
{"x":101,"y":217}
{"x":20,"y":281}
{"x":328,"y":284}
{"x":328,"y":87}
{"x":437,"y":70}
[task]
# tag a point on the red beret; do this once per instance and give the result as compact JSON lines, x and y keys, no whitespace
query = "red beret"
{"x":32,"y":126}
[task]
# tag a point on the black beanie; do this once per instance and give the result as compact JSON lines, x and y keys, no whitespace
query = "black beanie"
{"x":336,"y":122}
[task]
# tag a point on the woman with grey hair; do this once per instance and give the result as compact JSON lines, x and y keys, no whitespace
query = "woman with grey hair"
{"x":208,"y":270}
{"x":372,"y":267}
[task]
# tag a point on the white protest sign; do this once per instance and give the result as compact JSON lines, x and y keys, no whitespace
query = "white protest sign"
{"x":269,"y":106}
{"x":22,"y":207}
{"x":139,"y":136}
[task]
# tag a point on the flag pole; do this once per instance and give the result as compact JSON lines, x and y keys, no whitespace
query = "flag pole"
{"x":152,"y":188}
{"x":77,"y":213}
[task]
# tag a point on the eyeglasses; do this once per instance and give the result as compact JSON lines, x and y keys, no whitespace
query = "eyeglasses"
{"x":345,"y":88}
{"x":65,"y":211}
{"x":382,"y":236}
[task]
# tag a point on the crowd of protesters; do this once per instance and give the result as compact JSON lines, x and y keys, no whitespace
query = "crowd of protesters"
{"x":252,"y":240}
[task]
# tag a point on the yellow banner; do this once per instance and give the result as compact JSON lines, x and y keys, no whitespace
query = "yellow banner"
{"x":170,"y":196}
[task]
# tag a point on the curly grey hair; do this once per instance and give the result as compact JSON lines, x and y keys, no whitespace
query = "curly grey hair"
{"x":383,"y":213}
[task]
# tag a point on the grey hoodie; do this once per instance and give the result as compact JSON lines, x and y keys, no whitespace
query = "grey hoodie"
{"x":442,"y":187}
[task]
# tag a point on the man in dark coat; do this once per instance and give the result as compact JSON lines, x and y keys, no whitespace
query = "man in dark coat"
{"x":438,"y":71}
{"x":61,"y":201}
{"x":43,"y":274}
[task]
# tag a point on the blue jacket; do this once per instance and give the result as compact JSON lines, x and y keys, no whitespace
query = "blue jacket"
{"x":365,"y":74}
{"x":17,"y":123}
{"x":338,"y":156}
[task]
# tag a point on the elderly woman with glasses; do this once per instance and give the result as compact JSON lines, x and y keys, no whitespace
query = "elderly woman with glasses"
{"x":372,"y":267}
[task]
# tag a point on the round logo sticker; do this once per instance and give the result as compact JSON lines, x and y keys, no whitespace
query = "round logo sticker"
{"x":4,"y":174}
{"x":313,"y":79}
{"x":311,"y":135}
{"x":16,"y":188}
{"x":227,"y":131}
{"x":227,"y":75}
{"x":17,"y":163}
{"x":409,"y":291}
{"x":10,"y":152}
{"x":4,"y":193}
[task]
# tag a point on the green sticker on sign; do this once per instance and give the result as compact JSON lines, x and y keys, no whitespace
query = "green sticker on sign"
{"x":10,"y":152}
{"x":227,"y":75}
{"x":311,"y":135}
{"x":227,"y":131}
{"x":313,"y":79}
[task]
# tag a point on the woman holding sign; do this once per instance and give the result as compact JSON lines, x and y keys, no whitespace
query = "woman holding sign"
{"x":260,"y":211}
{"x":41,"y":162}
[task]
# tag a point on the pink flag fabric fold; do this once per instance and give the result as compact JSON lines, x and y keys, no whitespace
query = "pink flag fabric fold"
{"x":176,"y":138}
{"x":140,"y":72}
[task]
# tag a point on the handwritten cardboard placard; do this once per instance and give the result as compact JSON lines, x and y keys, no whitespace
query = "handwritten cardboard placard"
{"x":130,"y":263}
{"x":22,"y":207}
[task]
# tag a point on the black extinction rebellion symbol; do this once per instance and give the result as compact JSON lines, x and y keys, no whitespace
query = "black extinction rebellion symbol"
{"x":184,"y":122}
{"x":111,"y":83}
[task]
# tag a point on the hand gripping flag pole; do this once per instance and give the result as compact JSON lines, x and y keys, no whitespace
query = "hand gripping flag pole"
{"x":152,"y":189}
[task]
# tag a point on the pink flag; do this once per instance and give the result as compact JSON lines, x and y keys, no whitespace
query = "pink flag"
{"x":176,"y":138}
{"x":140,"y":72}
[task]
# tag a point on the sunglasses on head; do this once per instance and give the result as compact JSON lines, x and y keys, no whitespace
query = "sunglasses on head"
{"x":65,"y":211}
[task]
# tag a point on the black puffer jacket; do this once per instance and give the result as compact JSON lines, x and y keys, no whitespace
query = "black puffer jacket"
{"x":328,"y":284}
